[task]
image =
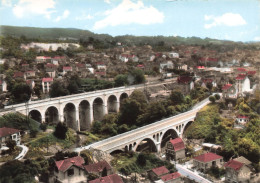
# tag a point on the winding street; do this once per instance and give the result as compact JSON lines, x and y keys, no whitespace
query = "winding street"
{"x":23,"y":152}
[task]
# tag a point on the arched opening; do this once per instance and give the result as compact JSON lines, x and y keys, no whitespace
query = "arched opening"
{"x":171,"y":133}
{"x":98,"y":109}
{"x":112,"y":104}
{"x":70,"y":116}
{"x":146,"y":145}
{"x":122,"y":97}
{"x":116,"y":152}
{"x":35,"y":115}
{"x":157,"y":137}
{"x":84,"y":115}
{"x":186,"y":127}
{"x":126,"y":148}
{"x":52,"y":115}
{"x":130,"y":147}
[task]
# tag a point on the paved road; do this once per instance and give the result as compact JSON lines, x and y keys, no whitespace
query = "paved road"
{"x":23,"y":153}
{"x":192,"y":175}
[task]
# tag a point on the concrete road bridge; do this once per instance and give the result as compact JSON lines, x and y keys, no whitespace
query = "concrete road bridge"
{"x":154,"y":136}
{"x":77,"y":111}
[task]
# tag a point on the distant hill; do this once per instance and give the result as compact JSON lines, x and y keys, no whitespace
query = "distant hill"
{"x":77,"y":34}
{"x":49,"y":33}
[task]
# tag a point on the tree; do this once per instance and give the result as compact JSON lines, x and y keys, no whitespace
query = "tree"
{"x":104,"y":172}
{"x":60,"y":130}
{"x":177,"y":97}
{"x":209,"y":85}
{"x":141,"y":160}
{"x":21,"y":92}
{"x":121,"y":80}
{"x":58,"y":89}
{"x":212,"y":99}
{"x":217,"y":96}
{"x":138,"y":76}
{"x":11,"y":144}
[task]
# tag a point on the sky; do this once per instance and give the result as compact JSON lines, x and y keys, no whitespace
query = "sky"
{"x":237,"y":20}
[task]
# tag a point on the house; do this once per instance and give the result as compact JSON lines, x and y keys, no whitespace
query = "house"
{"x":25,"y":67}
{"x":229,"y":91}
{"x":97,"y":168}
{"x":81,"y":70}
{"x":186,"y":83}
{"x":172,"y":178}
{"x":175,"y":149}
{"x":70,"y":170}
{"x":206,"y":161}
{"x":166,"y":65}
{"x":42,"y":59}
{"x":46,"y":83}
{"x":90,"y":68}
{"x":101,"y":66}
{"x":29,"y":74}
{"x":157,"y":173}
{"x":173,"y":55}
{"x":66,"y":69}
{"x":3,"y":86}
{"x":206,"y":81}
{"x":19,"y":75}
{"x":114,"y":178}
{"x":238,"y":170}
{"x":51,"y":70}
{"x":9,"y":133}
{"x":242,"y":119}
{"x":242,"y":84}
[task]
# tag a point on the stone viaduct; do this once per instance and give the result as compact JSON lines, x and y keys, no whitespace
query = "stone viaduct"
{"x":154,"y":135}
{"x":77,"y":111}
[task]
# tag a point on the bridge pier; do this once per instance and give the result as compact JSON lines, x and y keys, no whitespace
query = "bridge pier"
{"x":77,"y":119}
{"x":117,"y":106}
{"x":158,"y":147}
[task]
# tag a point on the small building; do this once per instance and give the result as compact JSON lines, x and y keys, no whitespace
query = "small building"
{"x":206,"y":81}
{"x":173,"y":55}
{"x":3,"y":86}
{"x":51,"y":70}
{"x":29,"y":73}
{"x":46,"y":84}
{"x":242,"y":119}
{"x":19,"y":75}
{"x":114,"y":178}
{"x":97,"y":168}
{"x":242,"y":84}
{"x":186,"y":83}
{"x":238,"y":170}
{"x":66,"y":69}
{"x":172,"y":178}
{"x":157,"y":173}
{"x":206,"y":161}
{"x":9,"y":133}
{"x":101,"y":66}
{"x":42,"y":59}
{"x":229,"y":91}
{"x":70,"y":170}
{"x":175,"y":149}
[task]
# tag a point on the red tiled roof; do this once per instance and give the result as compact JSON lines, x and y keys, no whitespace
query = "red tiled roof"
{"x":81,"y":65}
{"x":226,"y":86}
{"x":160,"y":170}
{"x":18,"y":74}
{"x":207,"y":80}
{"x":1,"y":82}
{"x":140,"y":65}
{"x":64,"y":165}
{"x":178,"y":144}
{"x":29,"y":82}
{"x":68,"y":68}
{"x":200,"y":67}
{"x":47,"y":79}
{"x":100,"y":63}
{"x":58,"y":57}
{"x":241,"y":69}
{"x":184,"y":79}
{"x":236,"y":165}
{"x":241,"y":77}
{"x":114,"y":178}
{"x":171,"y":176}
{"x":241,"y":116}
{"x":50,"y":65}
{"x":7,"y":131}
{"x":97,"y":167}
{"x":251,"y":72}
{"x":207,"y":157}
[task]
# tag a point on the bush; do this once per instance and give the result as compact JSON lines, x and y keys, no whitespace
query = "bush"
{"x":217,"y":96}
{"x":43,"y":127}
{"x":60,"y":130}
{"x":141,"y":160}
{"x":212,"y":99}
{"x":33,"y":133}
